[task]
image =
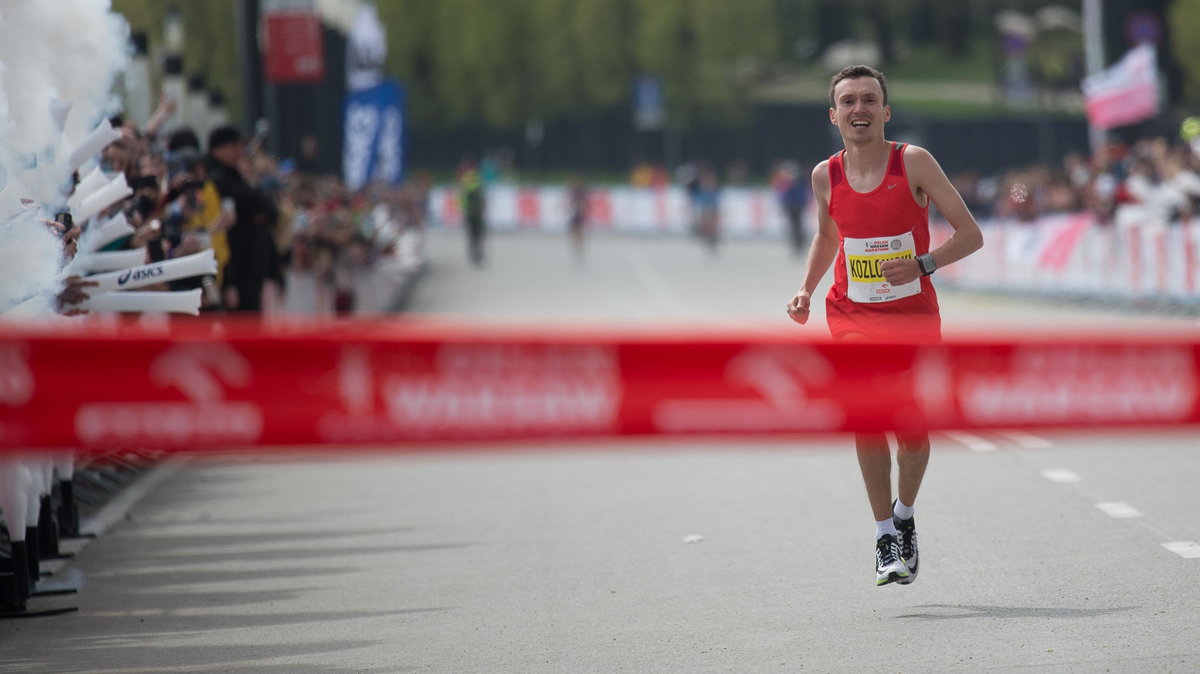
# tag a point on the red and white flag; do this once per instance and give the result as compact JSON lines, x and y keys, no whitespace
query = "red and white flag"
{"x":1126,"y":92}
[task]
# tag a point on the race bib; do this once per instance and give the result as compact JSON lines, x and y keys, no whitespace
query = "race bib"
{"x":863,"y":257}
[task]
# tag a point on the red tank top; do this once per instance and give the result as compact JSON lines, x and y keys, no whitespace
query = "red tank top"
{"x":883,"y":223}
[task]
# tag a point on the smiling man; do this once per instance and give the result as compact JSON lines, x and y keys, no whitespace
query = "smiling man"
{"x":873,"y":217}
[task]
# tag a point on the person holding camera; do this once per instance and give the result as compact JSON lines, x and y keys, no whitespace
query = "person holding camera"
{"x":252,"y":256}
{"x":196,"y":213}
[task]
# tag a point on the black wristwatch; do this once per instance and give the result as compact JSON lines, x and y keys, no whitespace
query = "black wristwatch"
{"x":927,"y":264}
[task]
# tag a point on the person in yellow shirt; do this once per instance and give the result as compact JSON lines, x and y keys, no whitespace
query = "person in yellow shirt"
{"x":195,"y":202}
{"x":473,"y":202}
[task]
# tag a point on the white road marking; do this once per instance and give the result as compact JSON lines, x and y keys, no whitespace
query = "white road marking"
{"x":1061,"y":476}
{"x":1118,"y":509}
{"x":115,"y":510}
{"x":973,"y":442}
{"x":1185,"y":549}
{"x":1026,"y":440}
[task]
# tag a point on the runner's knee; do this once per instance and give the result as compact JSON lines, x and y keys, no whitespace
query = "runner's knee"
{"x":871,"y":442}
{"x":913,"y":444}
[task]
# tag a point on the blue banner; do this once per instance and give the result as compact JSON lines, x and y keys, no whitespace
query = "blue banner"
{"x":649,"y":103}
{"x":373,"y":145}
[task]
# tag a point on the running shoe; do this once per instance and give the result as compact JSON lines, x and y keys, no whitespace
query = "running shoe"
{"x":908,"y":546}
{"x":889,"y":567}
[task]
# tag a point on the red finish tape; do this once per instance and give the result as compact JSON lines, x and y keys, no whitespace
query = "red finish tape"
{"x":415,"y":382}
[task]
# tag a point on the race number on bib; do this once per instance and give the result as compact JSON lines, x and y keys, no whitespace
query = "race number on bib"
{"x":866,"y":281}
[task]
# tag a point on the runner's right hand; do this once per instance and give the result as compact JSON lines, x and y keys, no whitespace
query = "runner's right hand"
{"x":798,"y":307}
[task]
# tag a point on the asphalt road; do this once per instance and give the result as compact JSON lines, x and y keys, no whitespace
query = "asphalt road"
{"x":1061,"y":551}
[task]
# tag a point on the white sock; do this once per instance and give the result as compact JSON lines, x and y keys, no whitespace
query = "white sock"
{"x":904,"y":512}
{"x":884,"y":527}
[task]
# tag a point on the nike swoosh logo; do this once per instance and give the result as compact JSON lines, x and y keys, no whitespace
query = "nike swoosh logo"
{"x":892,"y":185}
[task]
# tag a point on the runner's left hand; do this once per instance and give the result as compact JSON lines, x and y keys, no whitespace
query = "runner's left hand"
{"x":901,"y":271}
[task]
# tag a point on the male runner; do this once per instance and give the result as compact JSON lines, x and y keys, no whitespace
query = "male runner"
{"x":873,"y":216}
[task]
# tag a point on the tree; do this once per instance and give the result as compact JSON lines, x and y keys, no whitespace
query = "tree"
{"x":412,"y":32}
{"x":602,"y":31}
{"x":708,"y":54}
{"x":554,"y":66}
{"x":664,"y":46}
{"x":1184,"y":24}
{"x":209,"y":45}
{"x":479,"y":61}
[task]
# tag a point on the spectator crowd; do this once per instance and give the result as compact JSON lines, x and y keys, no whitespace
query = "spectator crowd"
{"x":1152,"y":182}
{"x":275,"y":226}
{"x":266,"y":222}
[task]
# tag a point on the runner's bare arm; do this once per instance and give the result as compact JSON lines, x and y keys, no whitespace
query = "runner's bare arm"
{"x":821,"y":252}
{"x":930,"y":179}
{"x":927,"y":177}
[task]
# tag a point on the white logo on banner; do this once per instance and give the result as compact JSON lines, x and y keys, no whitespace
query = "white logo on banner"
{"x":361,"y":123}
{"x":933,"y":385}
{"x":781,"y":375}
{"x":480,"y":390}
{"x":389,"y":157}
{"x":355,"y":381}
{"x":494,"y":388}
{"x":201,"y":372}
{"x":16,"y":379}
{"x":1077,"y":384}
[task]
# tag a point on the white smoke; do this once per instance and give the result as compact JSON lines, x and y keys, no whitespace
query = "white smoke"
{"x":29,"y":269}
{"x":66,"y":50}
{"x":52,"y":54}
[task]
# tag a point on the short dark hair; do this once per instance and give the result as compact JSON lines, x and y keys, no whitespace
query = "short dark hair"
{"x":223,"y":135}
{"x":854,"y":72}
{"x":181,"y":138}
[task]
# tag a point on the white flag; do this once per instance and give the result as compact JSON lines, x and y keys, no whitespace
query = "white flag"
{"x":1126,"y":92}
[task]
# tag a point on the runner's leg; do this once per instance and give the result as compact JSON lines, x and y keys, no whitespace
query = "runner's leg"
{"x":912,"y":457}
{"x":875,"y":461}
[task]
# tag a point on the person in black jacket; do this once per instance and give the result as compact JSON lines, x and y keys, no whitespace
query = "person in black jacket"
{"x":253,"y":259}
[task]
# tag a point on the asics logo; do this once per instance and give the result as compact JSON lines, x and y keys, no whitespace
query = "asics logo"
{"x":139,"y":274}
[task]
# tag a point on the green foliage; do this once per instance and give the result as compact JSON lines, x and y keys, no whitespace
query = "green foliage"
{"x":580,"y":58}
{"x":1184,"y":24}
{"x":210,"y":41}
{"x":708,"y":54}
{"x":928,"y":62}
{"x":602,"y":31}
{"x":511,"y":62}
{"x":413,"y":31}
{"x":664,"y":45}
{"x":508,"y":63}
{"x":1057,"y":59}
{"x":554,"y":67}
{"x":503,"y":63}
{"x":734,"y":44}
{"x":479,"y":59}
